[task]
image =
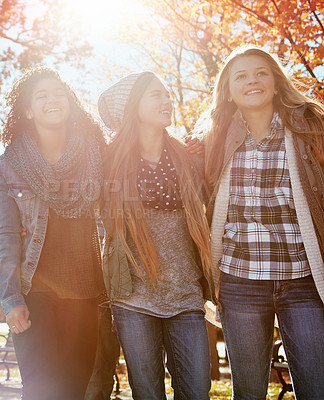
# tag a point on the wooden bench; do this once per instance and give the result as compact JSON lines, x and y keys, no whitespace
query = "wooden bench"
{"x":280,"y":365}
{"x":7,"y":349}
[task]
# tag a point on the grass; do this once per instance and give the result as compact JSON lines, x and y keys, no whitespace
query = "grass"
{"x":220,"y":390}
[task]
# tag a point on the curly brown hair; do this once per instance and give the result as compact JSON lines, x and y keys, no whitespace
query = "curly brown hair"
{"x":18,"y":99}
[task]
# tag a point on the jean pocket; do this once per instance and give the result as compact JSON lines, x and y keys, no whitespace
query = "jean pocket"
{"x":25,"y":199}
{"x":233,"y":288}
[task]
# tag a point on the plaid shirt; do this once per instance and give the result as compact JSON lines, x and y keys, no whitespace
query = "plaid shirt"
{"x":262,"y":238}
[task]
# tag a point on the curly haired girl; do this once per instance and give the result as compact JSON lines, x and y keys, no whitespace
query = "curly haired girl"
{"x":50,"y":180}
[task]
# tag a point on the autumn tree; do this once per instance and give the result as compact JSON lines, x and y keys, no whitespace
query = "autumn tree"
{"x":179,"y":46}
{"x":32,"y":31}
{"x":297,"y":28}
{"x":187,"y":41}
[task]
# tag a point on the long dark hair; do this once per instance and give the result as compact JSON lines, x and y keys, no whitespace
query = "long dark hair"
{"x":18,"y":99}
{"x":125,"y":205}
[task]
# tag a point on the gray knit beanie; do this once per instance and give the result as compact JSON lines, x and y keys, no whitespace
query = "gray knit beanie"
{"x":112,"y":102}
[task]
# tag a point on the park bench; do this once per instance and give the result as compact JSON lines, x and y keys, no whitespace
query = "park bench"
{"x":7,"y":353}
{"x":280,"y":365}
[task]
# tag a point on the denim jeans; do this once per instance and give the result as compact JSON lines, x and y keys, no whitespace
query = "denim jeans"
{"x":102,"y":381}
{"x":185,"y":340}
{"x":57,"y":353}
{"x":248,"y":308}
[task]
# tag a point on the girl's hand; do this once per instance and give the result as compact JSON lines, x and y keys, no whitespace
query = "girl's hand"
{"x":194,"y":145}
{"x":23,"y":232}
{"x":18,"y":319}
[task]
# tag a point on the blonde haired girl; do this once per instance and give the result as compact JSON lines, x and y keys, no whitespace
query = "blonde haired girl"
{"x":264,"y":165}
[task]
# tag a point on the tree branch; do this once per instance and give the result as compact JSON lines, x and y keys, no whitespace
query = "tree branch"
{"x":252,"y":12}
{"x":316,"y":16}
{"x":286,"y":32}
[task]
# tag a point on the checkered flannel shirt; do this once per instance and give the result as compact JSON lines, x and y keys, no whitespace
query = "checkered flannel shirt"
{"x":262,"y":238}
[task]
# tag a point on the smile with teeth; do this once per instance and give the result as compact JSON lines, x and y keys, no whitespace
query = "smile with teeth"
{"x":166,"y":112}
{"x":53,"y":110}
{"x":255,"y":91}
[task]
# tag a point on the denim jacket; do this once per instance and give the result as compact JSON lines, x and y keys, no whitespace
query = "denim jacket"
{"x":19,"y":206}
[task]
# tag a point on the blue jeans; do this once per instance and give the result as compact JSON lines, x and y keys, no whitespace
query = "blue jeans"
{"x":57,"y":353}
{"x":185,"y":339}
{"x":101,"y":383}
{"x":248,"y":308}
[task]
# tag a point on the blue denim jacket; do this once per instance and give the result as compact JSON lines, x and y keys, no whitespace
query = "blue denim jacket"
{"x":19,"y":206}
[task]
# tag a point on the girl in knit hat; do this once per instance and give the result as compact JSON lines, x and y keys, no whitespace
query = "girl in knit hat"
{"x":264,"y":163}
{"x":157,"y":255}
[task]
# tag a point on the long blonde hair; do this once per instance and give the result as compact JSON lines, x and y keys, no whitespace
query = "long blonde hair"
{"x":215,"y":122}
{"x":125,"y":205}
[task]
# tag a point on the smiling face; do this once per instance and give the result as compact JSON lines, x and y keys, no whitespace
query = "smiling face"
{"x":49,"y":105}
{"x":155,"y":107}
{"x":251,"y":83}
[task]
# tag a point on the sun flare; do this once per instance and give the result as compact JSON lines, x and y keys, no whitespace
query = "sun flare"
{"x":106,"y":15}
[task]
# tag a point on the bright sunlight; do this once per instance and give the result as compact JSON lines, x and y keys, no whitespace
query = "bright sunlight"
{"x":106,"y":16}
